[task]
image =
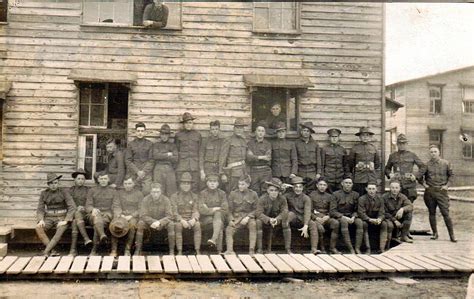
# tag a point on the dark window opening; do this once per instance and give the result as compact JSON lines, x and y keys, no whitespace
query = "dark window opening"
{"x":435,"y":99}
{"x":436,"y":138}
{"x":1,"y":129}
{"x":3,"y":10}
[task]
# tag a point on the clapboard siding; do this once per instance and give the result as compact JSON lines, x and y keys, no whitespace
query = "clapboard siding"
{"x":198,"y":69}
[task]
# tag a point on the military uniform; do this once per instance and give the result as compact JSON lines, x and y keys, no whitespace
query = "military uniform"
{"x":272,"y":122}
{"x":210,"y":199}
{"x":210,"y":154}
{"x":53,"y":207}
{"x":284,"y":159}
{"x":152,"y":210}
{"x":345,"y":204}
{"x":241,"y":205}
{"x":156,"y":14}
{"x":309,"y":158}
{"x":79,"y":195}
{"x":127,"y":203}
{"x":372,"y":207}
{"x":189,"y":144}
{"x":267,"y":209}
{"x":138,"y":156}
{"x":185,"y":207}
{"x":364,"y":163}
{"x":116,"y":167}
{"x":259,"y":169}
{"x":334,"y":165}
{"x":321,"y":206}
{"x":392,"y":204}
{"x":438,"y":173}
{"x":232,"y":160}
{"x":163,"y":171}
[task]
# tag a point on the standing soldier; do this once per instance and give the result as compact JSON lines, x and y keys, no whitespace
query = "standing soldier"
{"x":272,"y":210}
{"x":364,"y":161}
{"x":165,"y":156}
{"x":55,"y":209}
{"x":438,"y":176}
{"x":371,"y":210}
{"x":188,"y":142}
{"x":126,"y":205}
{"x":343,"y":208}
{"x":307,"y":150}
{"x":284,"y":156}
{"x":299,"y":207}
{"x":334,"y":164}
{"x":242,"y":206}
{"x":210,"y":151}
{"x":398,"y":212}
{"x":402,"y":163}
{"x":185,"y":211}
{"x":321,"y":206}
{"x":259,"y":157}
{"x":233,"y":155}
{"x":79,"y":195}
{"x":115,"y":164}
{"x":213,"y":208}
{"x":138,"y":159}
{"x":99,"y":207}
{"x":155,"y":213}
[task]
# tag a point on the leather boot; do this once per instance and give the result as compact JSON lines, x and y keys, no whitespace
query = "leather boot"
{"x":404,"y":234}
{"x":269,"y":241}
{"x":313,"y":239}
{"x":57,"y":236}
{"x":287,"y":239}
{"x":333,"y":242}
{"x":139,"y":243}
{"x":220,"y":241}
{"x":259,"y":241}
{"x":367,"y":242}
{"x":358,"y":241}
{"x":99,"y":229}
{"x":450,"y":227}
{"x":347,"y":240}
{"x":179,"y":241}
{"x":434,"y":227}
{"x":322,"y":244}
{"x":42,"y":235}
{"x":113,"y":251}
{"x":171,"y":239}
{"x":74,"y":236}
{"x":95,"y":242}
{"x":229,"y":240}
{"x":217,"y":227}
{"x":129,"y":243}
{"x":383,"y":239}
{"x":81,"y":226}
{"x":197,"y":238}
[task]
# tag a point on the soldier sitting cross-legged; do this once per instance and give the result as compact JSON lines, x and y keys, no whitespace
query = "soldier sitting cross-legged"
{"x":156,"y":214}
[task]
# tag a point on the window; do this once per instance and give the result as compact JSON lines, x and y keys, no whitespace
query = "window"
{"x":435,"y":99}
{"x":468,"y":99}
{"x":436,"y":138}
{"x":276,"y":17}
{"x":263,"y":98}
{"x":3,"y":10}
{"x":399,"y":92}
{"x":103,"y":114}
{"x":468,"y":146}
{"x":126,"y":12}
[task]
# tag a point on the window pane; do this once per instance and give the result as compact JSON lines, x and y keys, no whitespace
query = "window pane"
{"x":84,"y":115}
{"x":91,"y":12}
{"x":292,"y":120}
{"x":97,"y":115}
{"x":288,"y":18}
{"x":97,"y":96}
{"x":174,"y":14}
{"x":85,"y":95}
{"x":261,"y":18}
{"x":437,"y":107}
{"x":469,"y":93}
{"x":275,"y":16}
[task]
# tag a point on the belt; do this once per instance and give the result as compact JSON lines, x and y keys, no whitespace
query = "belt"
{"x":260,"y":167}
{"x":234,"y":164}
{"x":63,"y":211}
{"x":209,"y":162}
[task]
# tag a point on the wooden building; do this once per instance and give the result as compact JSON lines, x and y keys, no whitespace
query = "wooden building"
{"x":438,"y":109}
{"x":77,"y":80}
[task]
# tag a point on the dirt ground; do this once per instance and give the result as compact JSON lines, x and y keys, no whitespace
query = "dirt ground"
{"x":382,"y":288}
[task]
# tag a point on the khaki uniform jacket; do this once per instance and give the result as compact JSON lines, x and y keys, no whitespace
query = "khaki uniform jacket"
{"x":210,"y":151}
{"x":100,"y":198}
{"x":51,"y":201}
{"x":343,"y":204}
{"x":402,"y":162}
{"x":138,"y":156}
{"x":284,"y":158}
{"x":242,"y":204}
{"x":212,"y":199}
{"x":255,"y":149}
{"x":185,"y":206}
{"x":364,"y":162}
{"x":309,"y":155}
{"x":369,"y":207}
{"x":267,"y":208}
{"x":79,"y":195}
{"x":334,"y":163}
{"x":160,"y":150}
{"x":234,"y":150}
{"x":152,"y":210}
{"x":189,"y":145}
{"x":393,"y":204}
{"x":300,"y":205}
{"x":127,"y":203}
{"x":116,"y":167}
{"x":321,"y":203}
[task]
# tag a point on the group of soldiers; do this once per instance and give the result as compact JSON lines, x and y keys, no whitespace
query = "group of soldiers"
{"x":222,"y":185}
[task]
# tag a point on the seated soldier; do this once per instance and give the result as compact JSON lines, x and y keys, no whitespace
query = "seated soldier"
{"x":212,"y":209}
{"x":242,"y":206}
{"x":272,"y":210}
{"x":155,"y":15}
{"x":79,"y":195}
{"x":321,"y":204}
{"x":186,"y":213}
{"x":299,"y":215}
{"x":99,"y":207}
{"x":343,"y":208}
{"x":126,"y":205}
{"x":55,"y":209}
{"x":155,"y":213}
{"x":398,"y":212}
{"x":371,"y":210}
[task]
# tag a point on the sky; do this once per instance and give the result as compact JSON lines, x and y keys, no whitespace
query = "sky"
{"x":427,"y":38}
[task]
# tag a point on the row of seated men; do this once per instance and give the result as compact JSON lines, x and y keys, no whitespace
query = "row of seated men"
{"x":127,"y":213}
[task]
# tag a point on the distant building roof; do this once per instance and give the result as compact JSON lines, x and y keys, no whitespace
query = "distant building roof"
{"x":429,"y":76}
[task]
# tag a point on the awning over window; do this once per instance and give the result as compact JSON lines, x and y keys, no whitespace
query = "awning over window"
{"x":102,"y":76}
{"x":4,"y":88}
{"x":438,"y":127}
{"x":277,"y":81}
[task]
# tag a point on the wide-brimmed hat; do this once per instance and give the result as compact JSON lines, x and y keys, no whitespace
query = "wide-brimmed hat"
{"x":297,"y":180}
{"x":165,"y":129}
{"x":239,"y":122}
{"x":52,"y":177}
{"x":334,"y":131}
{"x":78,"y":172}
{"x":276,"y":182}
{"x":212,"y":177}
{"x":186,"y":116}
{"x":186,"y":177}
{"x":262,"y":123}
{"x":279,"y":126}
{"x":363,"y":130}
{"x":119,"y":227}
{"x":402,"y":138}
{"x":308,"y":125}
{"x":245,"y":178}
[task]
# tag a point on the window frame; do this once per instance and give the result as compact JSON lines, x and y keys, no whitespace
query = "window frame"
{"x":297,"y":30}
{"x":81,"y":153}
{"x":106,"y":106}
{"x":439,"y":142}
{"x":468,"y":102}
{"x":467,"y":145}
{"x":5,"y":10}
{"x":433,"y":100}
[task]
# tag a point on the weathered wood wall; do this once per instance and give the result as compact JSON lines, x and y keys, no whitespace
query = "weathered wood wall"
{"x":198,"y":69}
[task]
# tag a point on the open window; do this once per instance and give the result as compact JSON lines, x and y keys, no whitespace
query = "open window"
{"x":103,"y":114}
{"x":276,"y":17}
{"x":126,"y":12}
{"x":3,"y":11}
{"x":435,"y":93}
{"x":468,"y":99}
{"x":468,"y":145}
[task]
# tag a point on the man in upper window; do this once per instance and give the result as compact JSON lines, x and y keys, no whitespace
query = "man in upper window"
{"x":259,"y":157}
{"x":334,"y":164}
{"x":155,"y":15}
{"x":284,"y":156}
{"x":307,"y":149}
{"x":116,"y":164}
{"x":274,"y":118}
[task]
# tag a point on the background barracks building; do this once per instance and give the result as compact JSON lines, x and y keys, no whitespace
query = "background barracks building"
{"x":75,"y":73}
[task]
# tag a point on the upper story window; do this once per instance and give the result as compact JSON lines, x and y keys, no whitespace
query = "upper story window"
{"x":468,"y":99}
{"x":435,"y":99}
{"x":127,"y":12}
{"x":276,"y":17}
{"x":3,"y":10}
{"x":468,"y":146}
{"x":399,"y":92}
